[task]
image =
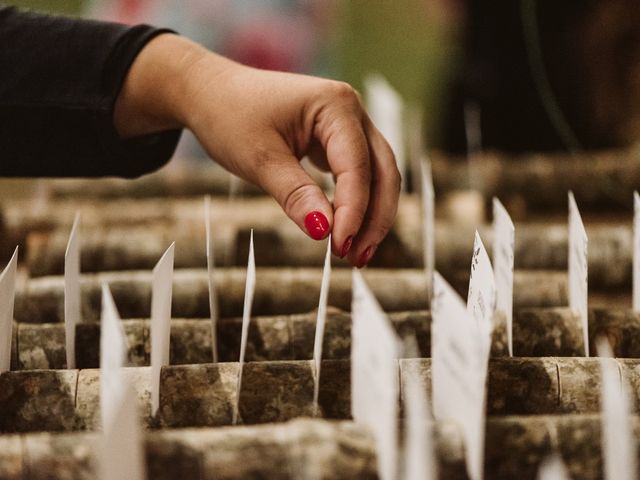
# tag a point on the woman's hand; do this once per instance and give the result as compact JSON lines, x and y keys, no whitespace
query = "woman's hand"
{"x":259,"y":124}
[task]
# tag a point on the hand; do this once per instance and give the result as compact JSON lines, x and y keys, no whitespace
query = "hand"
{"x":259,"y":124}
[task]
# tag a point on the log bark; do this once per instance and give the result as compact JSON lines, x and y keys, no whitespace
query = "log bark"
{"x":312,"y":448}
{"x":537,"y":246}
{"x":600,"y":180}
{"x":203,"y":395}
{"x":278,"y":291}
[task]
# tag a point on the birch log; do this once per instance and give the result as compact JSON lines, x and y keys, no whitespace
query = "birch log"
{"x":537,"y":333}
{"x":278,"y":291}
{"x":306,"y":448}
{"x":203,"y":395}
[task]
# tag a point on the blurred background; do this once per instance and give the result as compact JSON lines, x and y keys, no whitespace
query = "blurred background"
{"x":536,"y":75}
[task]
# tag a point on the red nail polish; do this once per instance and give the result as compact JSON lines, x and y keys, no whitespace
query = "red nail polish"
{"x":366,"y":256}
{"x":346,"y":246}
{"x":317,"y":225}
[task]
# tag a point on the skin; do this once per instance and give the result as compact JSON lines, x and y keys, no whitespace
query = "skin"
{"x":258,"y":125}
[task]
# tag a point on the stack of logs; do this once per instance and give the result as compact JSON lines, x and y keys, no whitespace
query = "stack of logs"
{"x":546,"y":398}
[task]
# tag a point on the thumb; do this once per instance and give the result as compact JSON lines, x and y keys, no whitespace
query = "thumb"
{"x":300,"y":197}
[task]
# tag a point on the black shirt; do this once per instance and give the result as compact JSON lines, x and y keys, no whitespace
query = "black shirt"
{"x":59,"y":80}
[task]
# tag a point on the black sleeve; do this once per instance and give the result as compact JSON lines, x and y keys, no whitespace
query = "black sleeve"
{"x":59,"y":80}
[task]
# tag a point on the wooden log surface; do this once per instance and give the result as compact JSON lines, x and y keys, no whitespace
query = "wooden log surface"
{"x":601,"y":180}
{"x":280,"y":243}
{"x":278,"y":291}
{"x":515,"y":446}
{"x":537,"y":333}
{"x":204,"y":394}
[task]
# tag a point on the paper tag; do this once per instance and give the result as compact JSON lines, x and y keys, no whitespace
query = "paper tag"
{"x":636,"y":252}
{"x":121,"y":450}
{"x":419,"y":451}
{"x":7,"y":297}
{"x":249,"y":290}
{"x":72,"y":291}
{"x":375,"y":349}
{"x":122,"y":453}
{"x":428,"y":231}
{"x":459,"y":370}
{"x":320,"y":323}
{"x":618,"y":439}
{"x":482,"y":292}
{"x":213,"y":296}
{"x":552,"y":468}
{"x":578,"y":269}
{"x":503,"y":246}
{"x":385,"y":108}
{"x":113,"y":352}
{"x":161,"y":293}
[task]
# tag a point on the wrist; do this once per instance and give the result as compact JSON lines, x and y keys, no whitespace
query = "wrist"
{"x":155,"y":94}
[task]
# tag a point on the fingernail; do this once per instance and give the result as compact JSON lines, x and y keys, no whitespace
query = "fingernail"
{"x":346,"y":246}
{"x":317,"y":225}
{"x":366,"y":256}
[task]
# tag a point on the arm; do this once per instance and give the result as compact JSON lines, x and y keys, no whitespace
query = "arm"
{"x":59,"y":80}
{"x":258,"y":125}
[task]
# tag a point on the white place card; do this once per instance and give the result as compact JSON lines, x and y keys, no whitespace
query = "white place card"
{"x":428,"y":230}
{"x":122,"y":452}
{"x":113,"y":352}
{"x":459,"y":371}
{"x":249,"y":290}
{"x":161,"y":294}
{"x":72,"y":314}
{"x":578,"y":269}
{"x":7,"y":298}
{"x":213,"y":296}
{"x":618,"y":439}
{"x":320,"y":323}
{"x":419,"y":450}
{"x":375,"y":348}
{"x":386,"y":110}
{"x":503,"y":247}
{"x":553,"y":468}
{"x":636,"y":252}
{"x":481,"y":298}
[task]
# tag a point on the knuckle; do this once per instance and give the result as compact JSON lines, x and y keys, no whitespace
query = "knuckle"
{"x":345,"y":92}
{"x":296,"y":196}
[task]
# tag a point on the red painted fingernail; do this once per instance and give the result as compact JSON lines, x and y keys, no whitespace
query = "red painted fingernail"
{"x":366,"y":256}
{"x":317,"y":225}
{"x":346,"y":246}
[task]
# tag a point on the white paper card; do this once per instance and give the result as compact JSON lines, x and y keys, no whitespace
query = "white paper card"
{"x":385,"y":108}
{"x":428,"y":230}
{"x":636,"y":252}
{"x":161,"y":293}
{"x":213,"y":296}
{"x":122,"y":454}
{"x":7,"y":298}
{"x":552,"y":468}
{"x":375,"y":348}
{"x":113,"y":351}
{"x":419,"y":452}
{"x":249,"y":290}
{"x":72,"y":291}
{"x":578,"y":269}
{"x":619,"y":443}
{"x":459,"y":370}
{"x":320,"y":323}
{"x":481,"y":297}
{"x":503,"y":247}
